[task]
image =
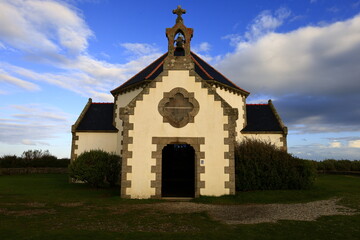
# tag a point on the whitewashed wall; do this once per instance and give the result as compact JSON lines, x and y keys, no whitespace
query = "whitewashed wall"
{"x":236,"y":101}
{"x":95,"y":140}
{"x":148,"y":123}
{"x":122,"y":101}
{"x":275,"y":139}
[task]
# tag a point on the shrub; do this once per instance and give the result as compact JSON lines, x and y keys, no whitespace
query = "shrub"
{"x":113,"y":170}
{"x":96,"y":167}
{"x":261,"y":166}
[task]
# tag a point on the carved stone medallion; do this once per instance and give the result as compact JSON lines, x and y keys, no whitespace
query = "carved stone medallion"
{"x":178,"y":107}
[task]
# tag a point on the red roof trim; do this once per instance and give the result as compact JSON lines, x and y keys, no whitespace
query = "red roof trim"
{"x":138,"y":73}
{"x":207,"y":74}
{"x":221,"y":74}
{"x":158,"y":66}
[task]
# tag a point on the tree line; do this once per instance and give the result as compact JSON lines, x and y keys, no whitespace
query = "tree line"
{"x":33,"y":159}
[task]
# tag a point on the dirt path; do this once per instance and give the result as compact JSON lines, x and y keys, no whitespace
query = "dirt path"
{"x":259,"y":213}
{"x":230,"y":214}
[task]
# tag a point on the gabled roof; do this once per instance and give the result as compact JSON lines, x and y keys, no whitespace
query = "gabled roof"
{"x":207,"y":72}
{"x":263,"y":117}
{"x":148,"y":73}
{"x":97,"y":117}
{"x":202,"y":68}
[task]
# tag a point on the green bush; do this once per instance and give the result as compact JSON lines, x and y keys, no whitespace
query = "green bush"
{"x":261,"y":166}
{"x":96,"y":167}
{"x":114,"y":169}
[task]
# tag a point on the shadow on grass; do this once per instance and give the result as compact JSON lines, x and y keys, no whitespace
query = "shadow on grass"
{"x":52,"y":208}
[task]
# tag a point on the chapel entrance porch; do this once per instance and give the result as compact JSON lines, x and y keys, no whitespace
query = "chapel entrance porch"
{"x":178,"y":171}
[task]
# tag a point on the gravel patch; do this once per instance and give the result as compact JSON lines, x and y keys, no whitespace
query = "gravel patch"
{"x":260,"y":213}
{"x":230,"y":214}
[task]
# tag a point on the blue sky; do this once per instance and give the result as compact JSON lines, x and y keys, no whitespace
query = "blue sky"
{"x":304,"y":55}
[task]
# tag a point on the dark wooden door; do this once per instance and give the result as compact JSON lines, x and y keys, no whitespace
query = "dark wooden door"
{"x":178,"y":171}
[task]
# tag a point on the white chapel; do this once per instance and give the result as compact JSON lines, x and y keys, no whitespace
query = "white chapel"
{"x":175,"y":125}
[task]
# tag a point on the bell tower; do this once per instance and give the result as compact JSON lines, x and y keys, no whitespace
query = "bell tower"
{"x":179,"y":37}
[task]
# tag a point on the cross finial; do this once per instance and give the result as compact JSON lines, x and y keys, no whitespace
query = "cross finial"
{"x":179,"y":11}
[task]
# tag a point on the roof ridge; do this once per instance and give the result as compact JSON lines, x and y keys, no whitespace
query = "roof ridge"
{"x":273,"y":109}
{"x":102,"y":103}
{"x":220,"y":73}
{"x":139,"y":72}
{"x":203,"y":68}
{"x":198,"y":64}
{"x":155,"y":69}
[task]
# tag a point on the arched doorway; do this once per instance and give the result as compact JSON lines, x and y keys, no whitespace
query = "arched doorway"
{"x":178,"y":171}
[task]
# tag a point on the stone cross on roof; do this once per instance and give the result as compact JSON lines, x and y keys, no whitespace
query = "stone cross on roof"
{"x":179,"y":11}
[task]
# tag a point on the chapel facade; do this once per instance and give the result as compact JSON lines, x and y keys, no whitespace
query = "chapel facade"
{"x":175,"y":125}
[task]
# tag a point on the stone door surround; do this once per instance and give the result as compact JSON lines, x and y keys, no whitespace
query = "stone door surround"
{"x":160,"y":143}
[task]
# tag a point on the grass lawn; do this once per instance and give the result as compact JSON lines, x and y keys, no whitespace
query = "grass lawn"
{"x":46,"y":206}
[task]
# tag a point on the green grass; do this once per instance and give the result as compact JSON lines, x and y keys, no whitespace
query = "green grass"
{"x":46,"y":206}
{"x":326,"y":186}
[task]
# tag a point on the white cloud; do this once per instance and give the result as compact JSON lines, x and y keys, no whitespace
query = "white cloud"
{"x":335,"y":145}
{"x":32,"y":124}
{"x":308,"y":60}
{"x":107,"y":97}
{"x":39,"y":111}
{"x":5,"y":77}
{"x":322,"y":152}
{"x":234,"y":39}
{"x":28,"y":142}
{"x":354,"y":144}
{"x":266,"y":22}
{"x":54,"y":33}
{"x":312,"y":71}
{"x":202,"y":47}
{"x":140,"y":49}
{"x":2,"y":46}
{"x":85,"y":75}
{"x":42,"y":26}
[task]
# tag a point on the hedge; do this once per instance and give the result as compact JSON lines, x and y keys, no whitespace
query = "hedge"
{"x":331,"y":165}
{"x":262,"y":166}
{"x":33,"y":159}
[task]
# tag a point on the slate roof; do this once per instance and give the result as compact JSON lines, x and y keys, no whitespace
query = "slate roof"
{"x":98,"y":117}
{"x":203,"y":69}
{"x":260,"y":117}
